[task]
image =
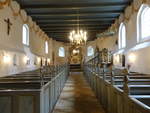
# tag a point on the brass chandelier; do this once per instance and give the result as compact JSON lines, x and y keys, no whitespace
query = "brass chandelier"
{"x":78,"y":37}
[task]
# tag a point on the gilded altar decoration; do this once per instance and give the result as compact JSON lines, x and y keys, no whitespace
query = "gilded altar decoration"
{"x":75,"y":55}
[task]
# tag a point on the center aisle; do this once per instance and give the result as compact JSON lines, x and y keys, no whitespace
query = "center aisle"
{"x":77,"y":97}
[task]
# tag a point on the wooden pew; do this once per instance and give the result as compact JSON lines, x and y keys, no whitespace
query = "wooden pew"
{"x":23,"y":93}
{"x":109,"y":90}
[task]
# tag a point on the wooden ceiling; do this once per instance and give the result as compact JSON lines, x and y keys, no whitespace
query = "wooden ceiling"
{"x":58,"y":17}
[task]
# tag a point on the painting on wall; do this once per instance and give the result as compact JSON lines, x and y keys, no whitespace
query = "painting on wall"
{"x":15,"y":63}
{"x":122,"y":59}
{"x":35,"y":61}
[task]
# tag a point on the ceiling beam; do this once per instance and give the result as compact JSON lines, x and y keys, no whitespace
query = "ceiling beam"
{"x":67,"y":35}
{"x":68,"y":30}
{"x":74,"y":20}
{"x":65,"y":17}
{"x":61,"y":37}
{"x":42,"y":5}
{"x":74,"y":13}
{"x":87,"y":29}
{"x":67,"y":40}
{"x":71,"y":29}
{"x":74,"y":25}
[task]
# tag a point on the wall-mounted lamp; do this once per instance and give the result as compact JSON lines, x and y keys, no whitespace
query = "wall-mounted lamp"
{"x":15,"y":60}
{"x":39,"y":60}
{"x":48,"y":60}
{"x":117,"y":58}
{"x":132,"y":58}
{"x":6,"y":58}
{"x":26,"y":60}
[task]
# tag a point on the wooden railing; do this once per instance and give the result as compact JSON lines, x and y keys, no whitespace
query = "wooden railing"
{"x":116,"y":90}
{"x":33,"y":92}
{"x":50,"y":92}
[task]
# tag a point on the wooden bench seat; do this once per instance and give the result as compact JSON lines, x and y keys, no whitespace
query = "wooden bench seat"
{"x":113,"y":96}
{"x":29,"y":78}
{"x":143,"y":99}
{"x":29,"y":92}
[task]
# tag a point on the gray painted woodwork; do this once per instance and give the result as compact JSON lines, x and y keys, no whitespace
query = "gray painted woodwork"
{"x":129,"y":95}
{"x":24,"y":94}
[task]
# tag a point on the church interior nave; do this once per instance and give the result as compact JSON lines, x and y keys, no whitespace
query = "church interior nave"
{"x":74,"y":56}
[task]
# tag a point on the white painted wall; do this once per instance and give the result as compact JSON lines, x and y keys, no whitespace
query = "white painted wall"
{"x":57,"y":58}
{"x":11,"y":45}
{"x":141,"y":60}
{"x":90,"y":43}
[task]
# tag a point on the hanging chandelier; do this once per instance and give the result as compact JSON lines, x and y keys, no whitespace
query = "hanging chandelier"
{"x":78,"y":37}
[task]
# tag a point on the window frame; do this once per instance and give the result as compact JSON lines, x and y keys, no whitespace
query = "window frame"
{"x":122,"y":39}
{"x":61,"y":52}
{"x":46,"y":47}
{"x":139,"y":24}
{"x":88,"y":49}
{"x":26,"y":42}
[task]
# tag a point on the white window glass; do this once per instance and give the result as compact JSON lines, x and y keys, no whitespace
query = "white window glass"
{"x":90,"y":51}
{"x":46,"y":47}
{"x":122,"y":36}
{"x":61,"y":52}
{"x":143,"y":23}
{"x":25,"y":35}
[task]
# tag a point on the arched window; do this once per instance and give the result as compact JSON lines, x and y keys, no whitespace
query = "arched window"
{"x":25,"y":35}
{"x":122,"y":36}
{"x":143,"y":23}
{"x":61,"y":52}
{"x":46,"y":47}
{"x":90,"y":51}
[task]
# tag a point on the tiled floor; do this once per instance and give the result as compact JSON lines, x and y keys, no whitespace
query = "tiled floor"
{"x":77,"y":97}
